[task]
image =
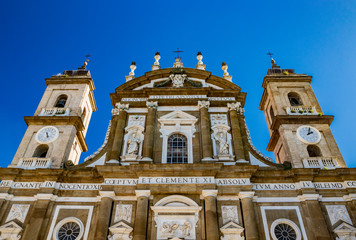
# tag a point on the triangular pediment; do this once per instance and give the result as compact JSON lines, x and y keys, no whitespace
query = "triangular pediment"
{"x":178,"y":116}
{"x":342,"y":226}
{"x":232,"y":225}
{"x":121,"y":224}
{"x":11,"y":225}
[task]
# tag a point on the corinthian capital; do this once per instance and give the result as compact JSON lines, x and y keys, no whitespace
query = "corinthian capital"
{"x":236,"y":107}
{"x":152,"y":104}
{"x":203,"y":104}
{"x":122,"y":107}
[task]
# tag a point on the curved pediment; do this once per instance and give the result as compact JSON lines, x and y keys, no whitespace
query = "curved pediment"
{"x":195,"y":78}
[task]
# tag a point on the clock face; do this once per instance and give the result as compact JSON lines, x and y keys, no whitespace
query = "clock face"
{"x":47,"y":134}
{"x":308,"y":134}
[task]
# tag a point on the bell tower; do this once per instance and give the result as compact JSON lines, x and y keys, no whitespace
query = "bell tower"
{"x":300,"y":132}
{"x":56,"y":132}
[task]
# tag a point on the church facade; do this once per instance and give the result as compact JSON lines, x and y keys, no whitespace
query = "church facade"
{"x":178,"y":162}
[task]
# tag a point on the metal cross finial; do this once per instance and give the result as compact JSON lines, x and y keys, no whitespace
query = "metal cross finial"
{"x":87,"y":57}
{"x":270,"y":54}
{"x":178,"y":51}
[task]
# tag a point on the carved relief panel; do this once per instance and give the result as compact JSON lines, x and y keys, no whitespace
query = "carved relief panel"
{"x":338,"y":212}
{"x":123,"y":212}
{"x":18,"y":211}
{"x":229,"y":213}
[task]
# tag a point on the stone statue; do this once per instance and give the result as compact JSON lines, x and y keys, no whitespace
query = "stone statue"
{"x":133,"y":144}
{"x":223,"y":145}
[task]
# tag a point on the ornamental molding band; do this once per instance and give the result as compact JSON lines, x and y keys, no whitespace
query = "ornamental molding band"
{"x":229,"y":214}
{"x":178,"y":97}
{"x":338,"y":212}
{"x":123,"y":212}
{"x":19,"y":212}
{"x":203,"y":104}
{"x":10,"y":231}
{"x":151,"y":104}
{"x":102,"y":146}
{"x":120,"y":231}
{"x":232,"y":231}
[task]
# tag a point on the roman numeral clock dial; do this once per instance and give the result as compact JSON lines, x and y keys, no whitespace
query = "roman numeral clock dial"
{"x":308,"y":134}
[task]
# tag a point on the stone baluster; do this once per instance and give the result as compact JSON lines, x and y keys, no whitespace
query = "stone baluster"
{"x":103,"y":221}
{"x":147,"y":149}
{"x":314,"y":216}
{"x":119,"y":132}
{"x":205,"y":130}
{"x":249,"y":216}
{"x":140,"y":229}
{"x":212,"y":227}
{"x":234,"y":111}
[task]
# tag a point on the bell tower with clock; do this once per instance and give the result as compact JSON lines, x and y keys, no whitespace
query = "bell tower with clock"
{"x":300,"y":132}
{"x":56,"y":132}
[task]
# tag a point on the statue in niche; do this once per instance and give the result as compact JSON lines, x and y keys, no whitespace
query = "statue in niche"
{"x":133,"y":144}
{"x":220,"y":138}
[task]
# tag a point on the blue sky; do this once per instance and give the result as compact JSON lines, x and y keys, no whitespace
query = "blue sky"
{"x":41,"y":38}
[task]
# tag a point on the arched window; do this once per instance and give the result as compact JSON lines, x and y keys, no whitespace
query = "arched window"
{"x":61,"y":101}
{"x":41,"y":151}
{"x":314,"y":151}
{"x":177,"y":151}
{"x":294,"y":99}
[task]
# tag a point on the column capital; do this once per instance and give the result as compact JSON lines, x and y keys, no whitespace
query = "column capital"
{"x":306,"y":197}
{"x":203,"y":104}
{"x":151,"y":104}
{"x":45,"y":196}
{"x":236,"y":107}
{"x":143,"y":193}
{"x":243,"y":195}
{"x":209,"y":193}
{"x":6,"y":196}
{"x":107,"y":194}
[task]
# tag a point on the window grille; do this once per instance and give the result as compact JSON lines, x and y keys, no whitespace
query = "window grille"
{"x":177,"y":149}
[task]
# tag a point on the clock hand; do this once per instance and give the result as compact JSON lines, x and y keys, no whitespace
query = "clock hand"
{"x":47,"y":134}
{"x":309,"y":132}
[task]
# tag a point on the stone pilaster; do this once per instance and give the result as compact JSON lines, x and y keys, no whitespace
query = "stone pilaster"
{"x":140,"y":229}
{"x":315,"y":220}
{"x":119,"y":133}
{"x":147,"y":149}
{"x":212,"y":227}
{"x":249,"y":215}
{"x":5,"y":200}
{"x":41,"y":207}
{"x":207,"y":147}
{"x":103,"y":221}
{"x":234,"y":111}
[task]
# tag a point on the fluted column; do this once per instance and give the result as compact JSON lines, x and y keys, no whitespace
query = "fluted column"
{"x":140,"y":229}
{"x":147,"y":149}
{"x":207,"y":147}
{"x":249,"y":216}
{"x":212,"y":227}
{"x":315,"y":217}
{"x":33,"y":228}
{"x":234,"y":110}
{"x":103,"y":221}
{"x":119,"y":132}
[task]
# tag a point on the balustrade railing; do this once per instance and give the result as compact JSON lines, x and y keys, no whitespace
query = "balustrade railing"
{"x":55,"y":112}
{"x":34,"y":162}
{"x":301,"y":110}
{"x":321,"y":162}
